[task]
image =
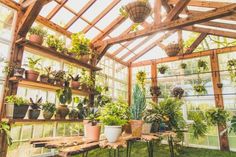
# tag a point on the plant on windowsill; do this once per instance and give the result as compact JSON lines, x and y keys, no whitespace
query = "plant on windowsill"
{"x":163,"y":68}
{"x":16,"y":107}
{"x":5,"y":129}
{"x":59,"y":77}
{"x":55,"y":43}
{"x":75,"y":84}
{"x":231,"y":67}
{"x":114,"y":115}
{"x":65,"y":97}
{"x":36,"y":34}
{"x":48,"y":110}
{"x":32,"y":73}
{"x":34,"y":110}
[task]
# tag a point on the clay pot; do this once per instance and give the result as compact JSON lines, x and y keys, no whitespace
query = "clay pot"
{"x":138,"y":11}
{"x":62,"y":111}
{"x":36,"y":39}
{"x":44,"y":78}
{"x":93,"y":132}
{"x":75,"y":84}
{"x":172,"y":50}
{"x":85,"y":122}
{"x":19,"y":72}
{"x":16,"y":111}
{"x":84,"y":58}
{"x":136,"y":127}
{"x":33,"y":114}
{"x":31,"y":75}
{"x":47,"y":115}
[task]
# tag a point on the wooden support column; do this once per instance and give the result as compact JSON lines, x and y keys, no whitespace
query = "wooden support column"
{"x":224,"y":142}
{"x":129,"y":85}
{"x":154,"y":78}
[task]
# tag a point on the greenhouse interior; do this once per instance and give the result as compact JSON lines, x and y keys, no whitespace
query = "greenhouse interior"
{"x":118,"y":78}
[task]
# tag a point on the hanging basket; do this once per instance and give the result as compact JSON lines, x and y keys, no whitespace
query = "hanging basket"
{"x":172,"y":50}
{"x":138,"y":11}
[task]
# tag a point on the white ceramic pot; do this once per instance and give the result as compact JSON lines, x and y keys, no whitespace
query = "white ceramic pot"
{"x":146,"y":128}
{"x":112,"y":133}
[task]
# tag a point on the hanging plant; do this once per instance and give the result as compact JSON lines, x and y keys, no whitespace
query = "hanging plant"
{"x":177,"y":92}
{"x":231,"y":66}
{"x":172,"y":49}
{"x":155,"y":91}
{"x":202,"y":65}
{"x":200,"y":89}
{"x":183,"y":65}
{"x":162,"y":69}
{"x":141,"y":76}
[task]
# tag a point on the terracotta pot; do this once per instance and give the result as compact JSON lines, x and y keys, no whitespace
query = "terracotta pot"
{"x":146,"y":128}
{"x":16,"y":111}
{"x":31,"y":75}
{"x":60,"y":82}
{"x":75,"y":84}
{"x":85,"y":122}
{"x":19,"y":72}
{"x":93,"y":132}
{"x":62,"y":111}
{"x":138,"y":11}
{"x":84,"y":58}
{"x":44,"y":78}
{"x":172,"y":50}
{"x":136,"y":127}
{"x":36,"y":39}
{"x":33,"y":114}
{"x":47,"y":115}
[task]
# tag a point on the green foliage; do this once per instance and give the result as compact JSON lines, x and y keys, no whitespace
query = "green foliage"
{"x":202,"y":65}
{"x":93,"y":117}
{"x":217,"y":116}
{"x":115,"y":114}
{"x":233,"y":124}
{"x":139,"y":103}
{"x":123,"y":12}
{"x":231,"y":66}
{"x":183,"y":65}
{"x":141,"y":77}
{"x":73,"y":113}
{"x":35,"y":105}
{"x":5,"y":128}
{"x":38,"y":30}
{"x":86,"y":79}
{"x":80,"y":44}
{"x":16,"y":100}
{"x":54,"y":42}
{"x":162,"y":68}
{"x":59,"y":75}
{"x":75,"y":78}
{"x":200,"y":89}
{"x":152,"y":114}
{"x":50,"y":107}
{"x":134,"y":27}
{"x":47,"y":71}
{"x":33,"y":63}
{"x":64,"y":94}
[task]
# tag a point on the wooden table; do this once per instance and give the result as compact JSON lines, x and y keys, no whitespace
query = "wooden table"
{"x":68,"y":146}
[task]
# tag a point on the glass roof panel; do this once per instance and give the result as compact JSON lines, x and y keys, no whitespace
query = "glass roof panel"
{"x":93,"y":32}
{"x":129,"y":57}
{"x":78,"y":26}
{"x":113,"y":48}
{"x":136,"y":42}
{"x":171,"y":39}
{"x":224,"y":21}
{"x":76,"y":5}
{"x":96,"y":9}
{"x":62,"y":17}
{"x":47,"y":8}
{"x":121,"y":28}
{"x":122,"y":53}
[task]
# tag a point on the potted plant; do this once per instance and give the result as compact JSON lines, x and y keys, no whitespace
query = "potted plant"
{"x":48,"y":110}
{"x":172,"y":49}
{"x":162,"y":69}
{"x":46,"y":77}
{"x":5,"y":129}
{"x":93,"y":129}
{"x":141,"y":77}
{"x":200,"y":89}
{"x":231,"y":67}
{"x":155,"y":91}
{"x":75,"y":84}
{"x":177,"y":92}
{"x":32,"y":74}
{"x":219,"y":85}
{"x":217,"y":116}
{"x":113,"y":115}
{"x":34,"y":112}
{"x":202,"y":65}
{"x":55,"y":43}
{"x":80,"y":46}
{"x":16,"y":107}
{"x":138,"y":10}
{"x":65,"y":96}
{"x":183,"y":65}
{"x":59,"y":77}
{"x":73,"y":114}
{"x":87,"y":82}
{"x":13,"y":68}
{"x":36,"y":34}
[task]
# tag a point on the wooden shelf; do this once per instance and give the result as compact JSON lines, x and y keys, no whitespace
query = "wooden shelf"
{"x":14,"y":121}
{"x":40,"y":85}
{"x":48,"y":52}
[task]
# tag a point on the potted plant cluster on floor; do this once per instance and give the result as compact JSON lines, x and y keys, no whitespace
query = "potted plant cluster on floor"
{"x":33,"y":73}
{"x":48,"y":110}
{"x":36,"y":34}
{"x":114,"y":115}
{"x":16,"y":107}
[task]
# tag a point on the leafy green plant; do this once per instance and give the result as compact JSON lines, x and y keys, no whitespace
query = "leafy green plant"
{"x":86,"y":79}
{"x":115,"y":114}
{"x":183,"y":65}
{"x":5,"y":128}
{"x":59,"y":75}
{"x":231,"y":67}
{"x":16,"y":100}
{"x":73,"y":113}
{"x":64,"y":94}
{"x":123,"y":12}
{"x":54,"y":42}
{"x":140,"y":77}
{"x":35,"y":105}
{"x":202,"y":65}
{"x":80,"y":44}
{"x":47,"y":72}
{"x":151,"y":115}
{"x":50,"y":107}
{"x":93,"y":117}
{"x":200,"y":89}
{"x":217,"y":116}
{"x":38,"y":30}
{"x":33,"y":63}
{"x":162,"y":68}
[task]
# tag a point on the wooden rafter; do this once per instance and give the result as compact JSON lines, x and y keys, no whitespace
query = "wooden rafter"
{"x":56,"y":9}
{"x":157,"y":11}
{"x":176,"y":24}
{"x":195,"y":44}
{"x":202,"y":3}
{"x":12,"y":4}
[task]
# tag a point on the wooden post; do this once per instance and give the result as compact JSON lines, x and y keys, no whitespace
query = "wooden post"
{"x":224,"y":142}
{"x":154,"y":78}
{"x":129,"y":85}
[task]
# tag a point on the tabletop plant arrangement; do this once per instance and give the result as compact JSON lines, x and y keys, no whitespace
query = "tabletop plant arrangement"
{"x":114,"y":115}
{"x":16,"y":107}
{"x":32,"y":73}
{"x":36,"y":34}
{"x":64,"y":96}
{"x":34,"y":110}
{"x":48,"y":110}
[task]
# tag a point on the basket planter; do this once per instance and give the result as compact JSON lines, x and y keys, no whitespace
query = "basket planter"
{"x":138,"y":11}
{"x":19,"y":72}
{"x":47,"y":115}
{"x":155,"y":91}
{"x":172,"y":50}
{"x":33,"y":113}
{"x":31,"y":75}
{"x":75,"y":84}
{"x":136,"y":127}
{"x":16,"y":111}
{"x":177,"y":92}
{"x":61,"y":112}
{"x":93,"y":132}
{"x":112,"y":133}
{"x":36,"y":39}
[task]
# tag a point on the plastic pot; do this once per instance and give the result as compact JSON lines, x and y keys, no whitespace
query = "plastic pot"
{"x":112,"y":133}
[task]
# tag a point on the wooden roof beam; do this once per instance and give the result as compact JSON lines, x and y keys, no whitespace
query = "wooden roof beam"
{"x":157,"y":11}
{"x":56,"y":9}
{"x":176,"y":24}
{"x":12,"y":4}
{"x":202,"y":3}
{"x":195,"y":44}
